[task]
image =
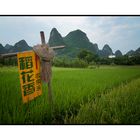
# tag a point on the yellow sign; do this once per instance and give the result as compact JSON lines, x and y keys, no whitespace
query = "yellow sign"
{"x":30,"y":79}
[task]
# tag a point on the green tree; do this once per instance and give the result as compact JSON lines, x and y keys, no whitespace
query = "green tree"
{"x":86,"y":55}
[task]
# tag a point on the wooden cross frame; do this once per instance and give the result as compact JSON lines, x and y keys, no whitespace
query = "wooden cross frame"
{"x":49,"y":62}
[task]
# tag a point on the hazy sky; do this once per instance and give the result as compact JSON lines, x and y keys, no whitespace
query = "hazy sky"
{"x":119,"y":32}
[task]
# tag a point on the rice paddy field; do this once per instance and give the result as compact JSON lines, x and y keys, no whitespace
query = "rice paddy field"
{"x":105,"y":95}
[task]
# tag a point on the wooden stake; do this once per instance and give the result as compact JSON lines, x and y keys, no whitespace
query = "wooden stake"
{"x":42,"y":38}
{"x":49,"y":82}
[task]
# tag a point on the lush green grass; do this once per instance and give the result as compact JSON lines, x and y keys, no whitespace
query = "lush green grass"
{"x":119,"y":106}
{"x":72,"y":89}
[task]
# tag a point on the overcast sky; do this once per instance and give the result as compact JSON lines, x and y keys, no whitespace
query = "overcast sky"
{"x":119,"y":32}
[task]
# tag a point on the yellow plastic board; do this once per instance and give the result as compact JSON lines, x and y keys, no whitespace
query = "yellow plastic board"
{"x":30,"y":78}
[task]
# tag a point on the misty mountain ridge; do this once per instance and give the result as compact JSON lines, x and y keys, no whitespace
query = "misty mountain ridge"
{"x":118,"y":53}
{"x":106,"y":51}
{"x":2,"y":49}
{"x":8,"y":47}
{"x":134,"y":53}
{"x":18,"y":47}
{"x":55,"y":38}
{"x":74,"y":42}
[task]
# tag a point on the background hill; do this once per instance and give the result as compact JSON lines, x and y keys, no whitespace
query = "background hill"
{"x":18,"y":47}
{"x":2,"y":49}
{"x":74,"y":42}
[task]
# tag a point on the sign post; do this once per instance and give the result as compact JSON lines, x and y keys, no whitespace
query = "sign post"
{"x":30,"y":79}
{"x":35,"y":66}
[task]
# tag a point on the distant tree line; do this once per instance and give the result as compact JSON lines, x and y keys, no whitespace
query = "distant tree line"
{"x":10,"y":61}
{"x":69,"y":62}
{"x":92,"y":58}
{"x":127,"y":60}
{"x":84,"y":59}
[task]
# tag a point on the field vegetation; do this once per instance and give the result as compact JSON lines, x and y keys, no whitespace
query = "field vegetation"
{"x":108,"y":94}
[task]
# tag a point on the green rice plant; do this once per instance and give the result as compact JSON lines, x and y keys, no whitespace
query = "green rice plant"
{"x":72,"y":89}
{"x":121,"y":105}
